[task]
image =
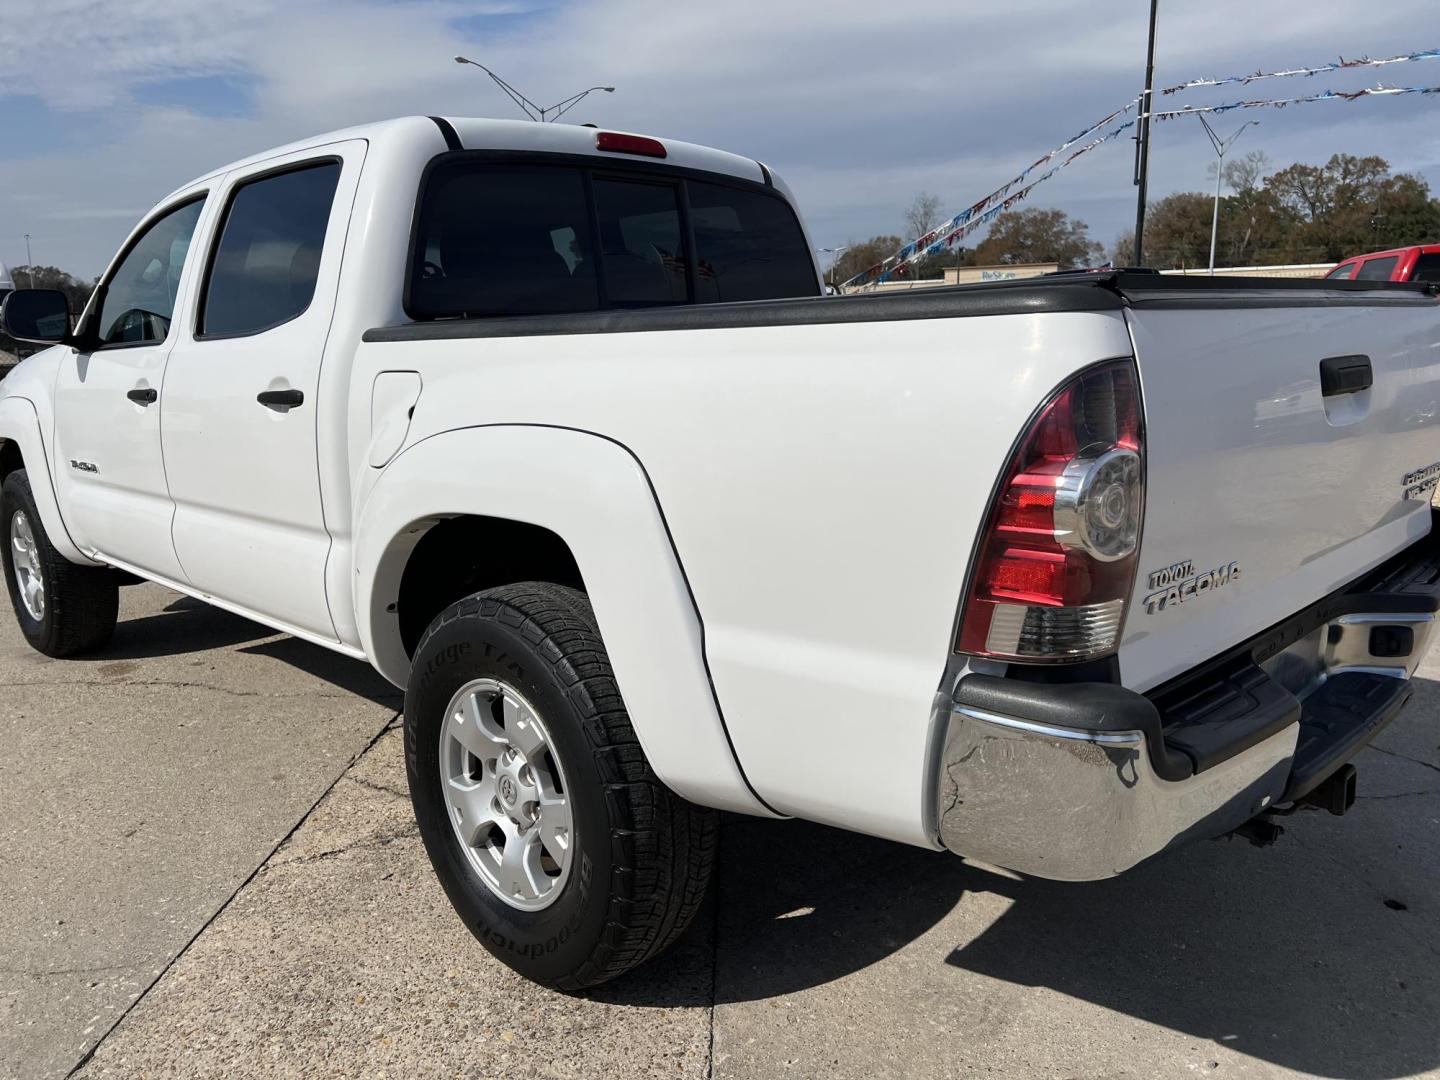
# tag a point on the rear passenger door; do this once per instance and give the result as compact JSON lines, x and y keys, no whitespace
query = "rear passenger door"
{"x":240,"y":402}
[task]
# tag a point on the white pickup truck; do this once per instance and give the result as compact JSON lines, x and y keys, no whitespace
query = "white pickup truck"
{"x":554,"y":427}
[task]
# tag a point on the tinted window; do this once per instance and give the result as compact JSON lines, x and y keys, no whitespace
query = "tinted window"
{"x":1344,"y":272}
{"x":641,"y":243}
{"x":268,"y":259}
{"x":1427,"y":268}
{"x":140,"y":296}
{"x":748,"y":246}
{"x":1377,"y":269}
{"x":503,"y":240}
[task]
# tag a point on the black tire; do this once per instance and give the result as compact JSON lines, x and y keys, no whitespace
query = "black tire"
{"x":641,"y":857}
{"x":81,"y":603}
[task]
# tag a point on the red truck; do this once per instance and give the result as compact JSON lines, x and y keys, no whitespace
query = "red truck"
{"x":1418,"y":263}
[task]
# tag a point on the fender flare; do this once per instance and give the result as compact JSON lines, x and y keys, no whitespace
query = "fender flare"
{"x":20,"y":424}
{"x":594,"y":494}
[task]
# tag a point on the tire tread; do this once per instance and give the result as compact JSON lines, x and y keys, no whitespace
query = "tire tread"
{"x":663,"y":847}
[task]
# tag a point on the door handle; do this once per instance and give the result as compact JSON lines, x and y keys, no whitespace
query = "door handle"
{"x":145,"y":396}
{"x":281,"y":399}
{"x":1345,"y":375}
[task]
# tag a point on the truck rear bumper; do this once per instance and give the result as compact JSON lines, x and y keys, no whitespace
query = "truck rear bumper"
{"x":1082,"y":781}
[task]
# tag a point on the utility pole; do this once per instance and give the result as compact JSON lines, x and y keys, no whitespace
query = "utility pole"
{"x":1142,"y":141}
{"x":1221,"y":145}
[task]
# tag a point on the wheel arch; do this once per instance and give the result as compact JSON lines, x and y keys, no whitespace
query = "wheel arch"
{"x":21,"y":447}
{"x":503,"y":487}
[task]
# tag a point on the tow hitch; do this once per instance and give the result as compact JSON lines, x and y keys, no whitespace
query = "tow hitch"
{"x":1336,"y":793}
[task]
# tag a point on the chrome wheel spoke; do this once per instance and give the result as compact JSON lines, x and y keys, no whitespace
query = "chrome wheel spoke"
{"x":472,"y":809}
{"x":520,"y":873}
{"x":521,"y":730}
{"x":555,"y":827}
{"x":473,"y":728}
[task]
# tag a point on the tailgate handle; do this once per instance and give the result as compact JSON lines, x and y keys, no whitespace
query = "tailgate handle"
{"x":1345,"y":375}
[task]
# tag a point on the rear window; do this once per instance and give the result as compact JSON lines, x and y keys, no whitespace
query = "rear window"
{"x":526,"y":239}
{"x":1377,"y":269}
{"x":1427,"y":268}
{"x":748,"y":245}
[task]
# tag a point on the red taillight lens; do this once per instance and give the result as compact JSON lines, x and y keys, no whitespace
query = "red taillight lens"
{"x":617,"y":143}
{"x":1056,"y":561}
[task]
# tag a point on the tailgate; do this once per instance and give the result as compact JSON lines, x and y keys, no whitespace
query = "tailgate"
{"x":1271,"y":479}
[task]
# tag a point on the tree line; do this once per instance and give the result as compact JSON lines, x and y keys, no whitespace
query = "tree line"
{"x":1298,"y":214}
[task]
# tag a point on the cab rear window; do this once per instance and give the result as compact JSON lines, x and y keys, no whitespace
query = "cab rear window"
{"x":1378,"y":269}
{"x":525,"y":238}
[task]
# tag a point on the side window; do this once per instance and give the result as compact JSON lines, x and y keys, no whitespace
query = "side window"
{"x":139,"y":299}
{"x":641,"y":245}
{"x":502,"y":240}
{"x":1377,"y":269}
{"x":748,"y":246}
{"x":264,"y":269}
{"x":1343,"y":272}
{"x":1427,"y":268}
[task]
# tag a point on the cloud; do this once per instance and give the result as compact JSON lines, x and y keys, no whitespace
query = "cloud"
{"x":859,"y":104}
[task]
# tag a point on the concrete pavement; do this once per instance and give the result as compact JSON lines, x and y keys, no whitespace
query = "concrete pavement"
{"x":822,"y":953}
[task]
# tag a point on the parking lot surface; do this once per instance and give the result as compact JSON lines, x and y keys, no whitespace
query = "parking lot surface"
{"x":211,"y":870}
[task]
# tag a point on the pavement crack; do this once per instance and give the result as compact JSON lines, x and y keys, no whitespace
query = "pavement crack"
{"x":86,"y":1057}
{"x":1401,"y":794}
{"x":1406,"y":757}
{"x":179,"y":684}
{"x":368,"y":843}
{"x":373,"y":786}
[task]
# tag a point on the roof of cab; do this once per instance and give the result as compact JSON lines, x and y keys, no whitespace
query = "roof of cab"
{"x":477,"y":133}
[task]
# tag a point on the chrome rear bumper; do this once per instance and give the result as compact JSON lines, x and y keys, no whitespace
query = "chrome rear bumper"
{"x":1083,"y":781}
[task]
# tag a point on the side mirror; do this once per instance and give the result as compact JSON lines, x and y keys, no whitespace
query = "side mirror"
{"x":39,"y":316}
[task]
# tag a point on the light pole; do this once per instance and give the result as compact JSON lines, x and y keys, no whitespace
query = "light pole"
{"x":835,"y":254}
{"x":1142,"y":140}
{"x":29,"y":262}
{"x":1221,"y":146}
{"x":540,"y":114}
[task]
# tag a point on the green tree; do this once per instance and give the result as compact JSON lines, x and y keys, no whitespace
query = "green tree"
{"x":862,"y":254}
{"x":1038,"y":235}
{"x":1351,"y":205}
{"x":77,"y":291}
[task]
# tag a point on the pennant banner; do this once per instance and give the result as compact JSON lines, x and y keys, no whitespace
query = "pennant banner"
{"x":968,"y":219}
{"x":1280,"y":103}
{"x":986,"y":209}
{"x":1340,"y":65}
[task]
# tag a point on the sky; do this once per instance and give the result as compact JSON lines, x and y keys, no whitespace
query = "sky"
{"x":107,"y":105}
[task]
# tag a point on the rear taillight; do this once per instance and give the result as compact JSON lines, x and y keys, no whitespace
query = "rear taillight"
{"x":1056,"y":561}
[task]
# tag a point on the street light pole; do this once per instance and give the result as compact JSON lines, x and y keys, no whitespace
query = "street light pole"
{"x":541,"y":114}
{"x":29,"y":262}
{"x":1142,"y":140}
{"x":1221,"y":146}
{"x":835,"y":254}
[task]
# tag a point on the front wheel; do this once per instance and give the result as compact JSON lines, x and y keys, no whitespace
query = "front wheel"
{"x":63,"y":609}
{"x":556,"y":843}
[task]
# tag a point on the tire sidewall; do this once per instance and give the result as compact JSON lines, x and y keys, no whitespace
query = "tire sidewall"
{"x":546,"y":945}
{"x":15,"y":497}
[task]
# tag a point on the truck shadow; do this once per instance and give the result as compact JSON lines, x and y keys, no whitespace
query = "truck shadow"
{"x":186,"y":625}
{"x":1273,"y":954}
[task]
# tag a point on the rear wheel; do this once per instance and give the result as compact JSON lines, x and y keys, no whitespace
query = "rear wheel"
{"x":556,"y":843}
{"x":63,"y":609}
